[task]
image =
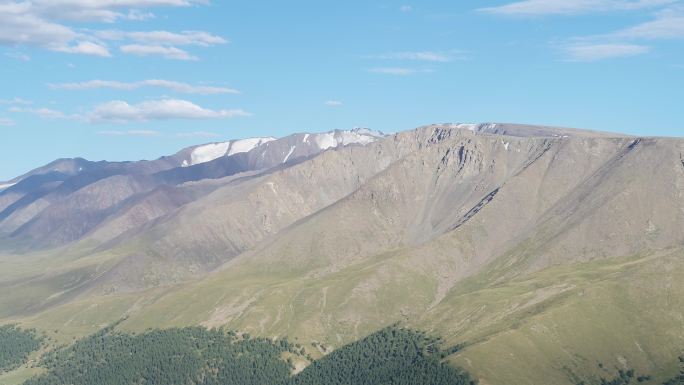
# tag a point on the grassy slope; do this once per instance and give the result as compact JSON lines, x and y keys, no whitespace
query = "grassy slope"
{"x":559,"y":324}
{"x":547,"y":327}
{"x":555,"y":324}
{"x":18,"y":376}
{"x":339,"y":308}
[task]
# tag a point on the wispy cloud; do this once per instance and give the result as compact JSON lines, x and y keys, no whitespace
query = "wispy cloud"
{"x":399,"y":71}
{"x":198,"y":38}
{"x":571,"y":7}
{"x":197,"y":134}
{"x":595,"y":52}
{"x":174,"y":86}
{"x":154,"y":133}
{"x":118,"y":111}
{"x":406,"y":8}
{"x":333,"y":103}
{"x":43,"y":113}
{"x":429,"y":56}
{"x":667,"y":24}
{"x":129,"y":133}
{"x":7,"y":122}
{"x":15,"y":101}
{"x":166,"y":109}
{"x":157,"y":50}
{"x":161,"y":43}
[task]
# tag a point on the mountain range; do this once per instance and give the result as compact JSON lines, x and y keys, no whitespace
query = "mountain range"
{"x":551,"y":255}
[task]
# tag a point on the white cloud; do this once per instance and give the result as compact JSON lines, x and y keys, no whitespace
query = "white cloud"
{"x":400,"y":71}
{"x":137,"y":15}
{"x":571,"y":7}
{"x":129,"y":133}
{"x":333,"y":103}
{"x":406,"y":8}
{"x":419,"y":56}
{"x":40,"y":23}
{"x":168,"y":84}
{"x":595,"y":52}
{"x":18,"y":25}
{"x":86,"y":48}
{"x":157,"y":50}
{"x":7,"y":122}
{"x":122,"y":112}
{"x":104,"y":11}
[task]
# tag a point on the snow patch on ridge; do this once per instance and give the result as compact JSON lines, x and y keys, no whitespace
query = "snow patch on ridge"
{"x":208,"y":152}
{"x":6,"y":186}
{"x":466,"y":126}
{"x":479,"y":127}
{"x":323,"y":141}
{"x":361,"y":136}
{"x":292,"y":148}
{"x":350,"y":137}
{"x":326,"y":141}
{"x":247,"y":145}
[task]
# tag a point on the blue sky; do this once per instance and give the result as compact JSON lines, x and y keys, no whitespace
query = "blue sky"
{"x":137,"y":79}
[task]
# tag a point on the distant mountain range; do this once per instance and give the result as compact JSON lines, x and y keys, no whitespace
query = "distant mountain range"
{"x":69,"y":198}
{"x":557,"y":251}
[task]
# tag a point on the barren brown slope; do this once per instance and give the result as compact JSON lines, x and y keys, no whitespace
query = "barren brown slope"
{"x":237,"y":217}
{"x":201,"y":235}
{"x":444,"y":186}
